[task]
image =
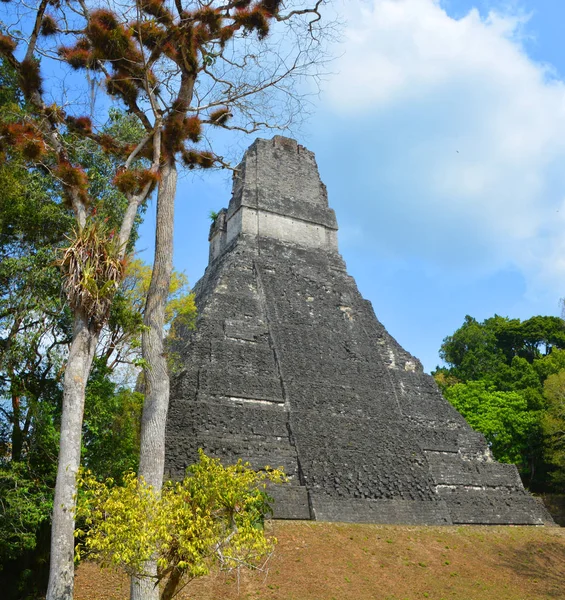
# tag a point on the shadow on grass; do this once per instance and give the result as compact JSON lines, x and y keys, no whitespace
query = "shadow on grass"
{"x":542,"y":563}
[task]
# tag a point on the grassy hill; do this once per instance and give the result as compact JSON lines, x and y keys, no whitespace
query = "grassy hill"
{"x":336,"y":561}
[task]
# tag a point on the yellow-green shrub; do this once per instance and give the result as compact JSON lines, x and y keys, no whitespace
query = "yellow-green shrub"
{"x":213,"y":517}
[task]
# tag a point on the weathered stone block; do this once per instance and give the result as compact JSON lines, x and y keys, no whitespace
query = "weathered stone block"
{"x":289,"y":366}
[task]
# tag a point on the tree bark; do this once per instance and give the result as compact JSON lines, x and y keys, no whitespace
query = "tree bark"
{"x":154,"y":417}
{"x":17,"y":437}
{"x":172,"y":584}
{"x":17,"y":433}
{"x":61,"y":573}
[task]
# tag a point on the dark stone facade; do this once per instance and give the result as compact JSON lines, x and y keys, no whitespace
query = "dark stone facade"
{"x":289,"y":366}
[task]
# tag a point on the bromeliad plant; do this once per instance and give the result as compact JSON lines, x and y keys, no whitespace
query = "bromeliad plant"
{"x":93,"y":267}
{"x":214,"y":517}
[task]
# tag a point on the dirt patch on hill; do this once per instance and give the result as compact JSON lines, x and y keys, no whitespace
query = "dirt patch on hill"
{"x":335,"y":561}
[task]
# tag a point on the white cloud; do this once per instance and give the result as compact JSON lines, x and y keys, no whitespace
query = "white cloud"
{"x":458,"y":139}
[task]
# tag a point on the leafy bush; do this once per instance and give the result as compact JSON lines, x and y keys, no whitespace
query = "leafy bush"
{"x":213,"y":517}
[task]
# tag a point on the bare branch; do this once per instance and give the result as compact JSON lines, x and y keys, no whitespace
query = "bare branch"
{"x":312,"y":11}
{"x":36,"y":28}
{"x":138,"y":149}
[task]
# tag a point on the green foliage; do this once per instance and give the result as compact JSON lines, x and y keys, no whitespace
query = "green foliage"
{"x":123,"y":340}
{"x":180,"y":308}
{"x":213,"y":517}
{"x":472,"y":351}
{"x":553,"y":424}
{"x":124,"y":127}
{"x":34,"y":326}
{"x":550,"y":364}
{"x":26,"y":504}
{"x":504,"y":418}
{"x":35,"y":329}
{"x":479,"y":350}
{"x":496,"y":376}
{"x":111,"y":425}
{"x":25,"y":513}
{"x":10,"y":93}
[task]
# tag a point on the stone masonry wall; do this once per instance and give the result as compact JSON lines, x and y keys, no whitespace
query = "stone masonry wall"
{"x":289,"y":366}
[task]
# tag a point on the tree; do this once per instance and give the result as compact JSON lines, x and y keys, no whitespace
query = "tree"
{"x":495,"y":377}
{"x":110,"y":432}
{"x":93,"y":265}
{"x":509,"y":425}
{"x":35,"y":330}
{"x":180,"y":69}
{"x":553,"y":425}
{"x":33,"y":326}
{"x":26,"y":504}
{"x":477,"y":350}
{"x":215,"y":81}
{"x":121,"y":339}
{"x":214,"y":516}
{"x":39,"y":328}
{"x":113,"y":412}
{"x":112,"y":419}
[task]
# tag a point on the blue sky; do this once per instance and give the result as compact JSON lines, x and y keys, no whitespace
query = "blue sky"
{"x":441,"y":138}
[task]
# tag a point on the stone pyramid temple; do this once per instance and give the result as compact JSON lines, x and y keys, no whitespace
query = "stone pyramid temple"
{"x":288,"y":365}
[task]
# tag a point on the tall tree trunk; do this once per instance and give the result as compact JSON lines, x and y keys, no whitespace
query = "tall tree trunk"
{"x":17,"y":433}
{"x":154,"y":417}
{"x":61,"y":573}
{"x":172,"y":584}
